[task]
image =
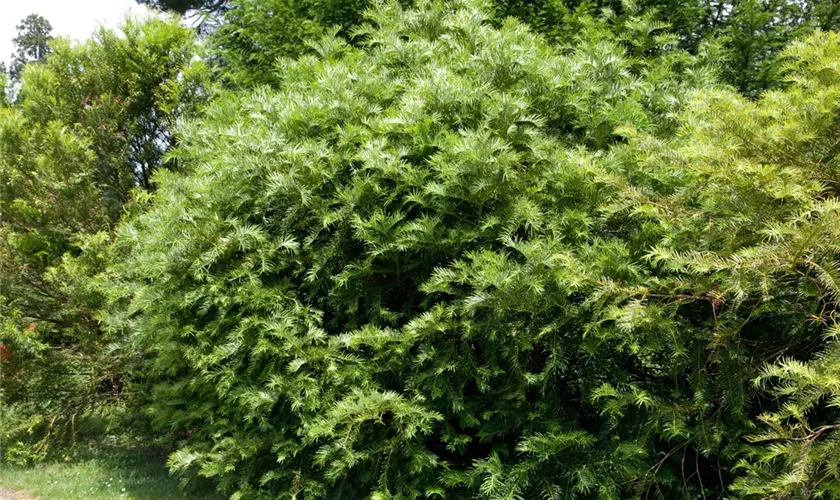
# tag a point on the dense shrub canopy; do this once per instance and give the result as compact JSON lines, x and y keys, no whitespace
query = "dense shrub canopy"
{"x":453,"y":262}
{"x":455,"y":249}
{"x":251,"y":36}
{"x":747,"y":35}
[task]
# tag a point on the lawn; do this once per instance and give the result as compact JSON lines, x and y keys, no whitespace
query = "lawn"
{"x":98,"y":476}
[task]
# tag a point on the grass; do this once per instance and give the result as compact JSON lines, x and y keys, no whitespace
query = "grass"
{"x":112,"y":474}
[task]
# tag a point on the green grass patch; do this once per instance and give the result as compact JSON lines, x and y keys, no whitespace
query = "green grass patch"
{"x":101,"y":475}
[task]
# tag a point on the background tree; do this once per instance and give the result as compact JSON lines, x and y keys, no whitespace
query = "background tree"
{"x":252,"y":36}
{"x":756,"y":32}
{"x":751,"y":32}
{"x":49,"y":199}
{"x":4,"y":86}
{"x":31,"y":43}
{"x":121,"y":91}
{"x":184,"y":6}
{"x":89,"y":125}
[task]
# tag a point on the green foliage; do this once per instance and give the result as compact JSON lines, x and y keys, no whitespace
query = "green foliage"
{"x":758,"y":30}
{"x":747,"y":35}
{"x":800,"y":451}
{"x":183,"y":6}
{"x":253,"y":35}
{"x":49,"y":196}
{"x":434,"y":253}
{"x":31,"y":43}
{"x":89,"y":124}
{"x":453,"y":262}
{"x":122,"y":91}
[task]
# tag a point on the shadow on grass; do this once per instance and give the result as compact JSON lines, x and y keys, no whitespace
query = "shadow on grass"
{"x":111,"y":473}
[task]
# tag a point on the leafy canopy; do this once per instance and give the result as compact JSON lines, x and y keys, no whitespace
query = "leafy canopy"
{"x":454,"y":262}
{"x":88,"y":125}
{"x":748,"y":35}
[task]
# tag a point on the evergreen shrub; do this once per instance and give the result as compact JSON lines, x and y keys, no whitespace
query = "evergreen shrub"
{"x":452,"y":262}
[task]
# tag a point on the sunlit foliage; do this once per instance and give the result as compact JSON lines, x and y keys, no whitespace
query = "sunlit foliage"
{"x":453,"y":262}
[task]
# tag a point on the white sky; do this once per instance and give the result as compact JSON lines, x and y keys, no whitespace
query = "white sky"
{"x":75,"y":19}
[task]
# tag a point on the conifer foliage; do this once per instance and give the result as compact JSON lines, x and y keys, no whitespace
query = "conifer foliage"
{"x":452,"y":262}
{"x":440,"y":254}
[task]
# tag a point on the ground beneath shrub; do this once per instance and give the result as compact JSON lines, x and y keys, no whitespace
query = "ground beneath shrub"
{"x":7,"y":494}
{"x":99,"y":473}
